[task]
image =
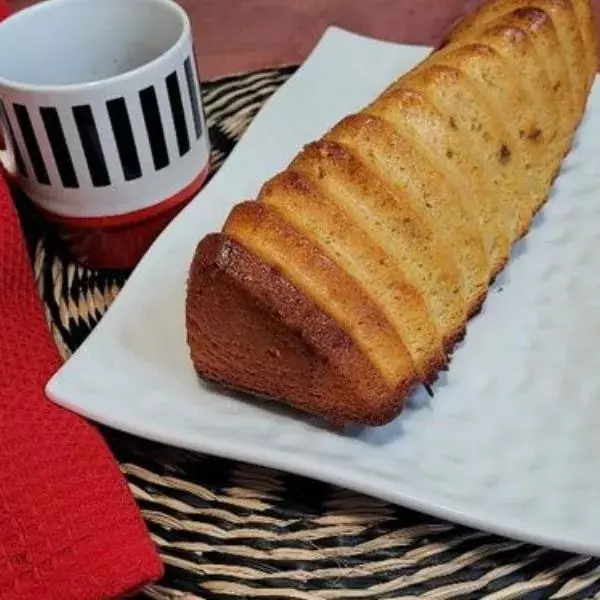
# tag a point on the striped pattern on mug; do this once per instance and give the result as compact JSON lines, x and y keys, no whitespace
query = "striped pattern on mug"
{"x":145,"y":131}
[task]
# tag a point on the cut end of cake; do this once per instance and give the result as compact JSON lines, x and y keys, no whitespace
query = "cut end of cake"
{"x":250,"y":330}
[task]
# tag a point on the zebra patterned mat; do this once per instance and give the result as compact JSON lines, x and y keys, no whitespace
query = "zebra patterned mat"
{"x":228,"y":530}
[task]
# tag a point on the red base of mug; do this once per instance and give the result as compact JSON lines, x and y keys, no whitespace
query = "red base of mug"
{"x":119,"y":242}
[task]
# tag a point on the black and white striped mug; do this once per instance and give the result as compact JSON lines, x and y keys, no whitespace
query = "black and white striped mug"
{"x":102,"y":120}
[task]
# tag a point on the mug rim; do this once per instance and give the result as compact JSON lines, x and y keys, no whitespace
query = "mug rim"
{"x":107,"y":81}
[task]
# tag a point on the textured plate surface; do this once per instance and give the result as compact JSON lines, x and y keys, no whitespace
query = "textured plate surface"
{"x":510,"y":441}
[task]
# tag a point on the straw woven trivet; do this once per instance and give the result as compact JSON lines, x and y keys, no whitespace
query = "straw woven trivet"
{"x":229,"y":530}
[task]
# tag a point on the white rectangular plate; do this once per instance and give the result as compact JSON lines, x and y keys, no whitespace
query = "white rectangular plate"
{"x":510,"y":442}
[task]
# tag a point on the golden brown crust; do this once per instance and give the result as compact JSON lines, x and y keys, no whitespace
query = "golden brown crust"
{"x":263,"y":232}
{"x":250,"y":329}
{"x":403,"y":162}
{"x":341,"y":236}
{"x":540,"y":29}
{"x":456,"y":96}
{"x":341,"y":176}
{"x":566,"y":23}
{"x":502,"y":94}
{"x":587,"y":26}
{"x":381,"y":151}
{"x":508,"y":36}
{"x":551,"y":88}
{"x":410,"y":108}
{"x":354,"y":274}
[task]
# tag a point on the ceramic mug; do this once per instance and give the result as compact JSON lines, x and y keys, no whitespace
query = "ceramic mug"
{"x":102,"y":120}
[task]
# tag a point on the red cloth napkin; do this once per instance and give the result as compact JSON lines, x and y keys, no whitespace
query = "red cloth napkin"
{"x":69,"y":528}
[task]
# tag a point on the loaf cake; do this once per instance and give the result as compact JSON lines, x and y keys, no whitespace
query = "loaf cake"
{"x":352,"y":276}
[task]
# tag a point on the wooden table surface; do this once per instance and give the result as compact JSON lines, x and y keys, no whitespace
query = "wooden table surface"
{"x":233,"y":36}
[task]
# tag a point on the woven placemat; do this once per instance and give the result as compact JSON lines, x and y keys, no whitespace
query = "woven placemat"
{"x":230,"y":530}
